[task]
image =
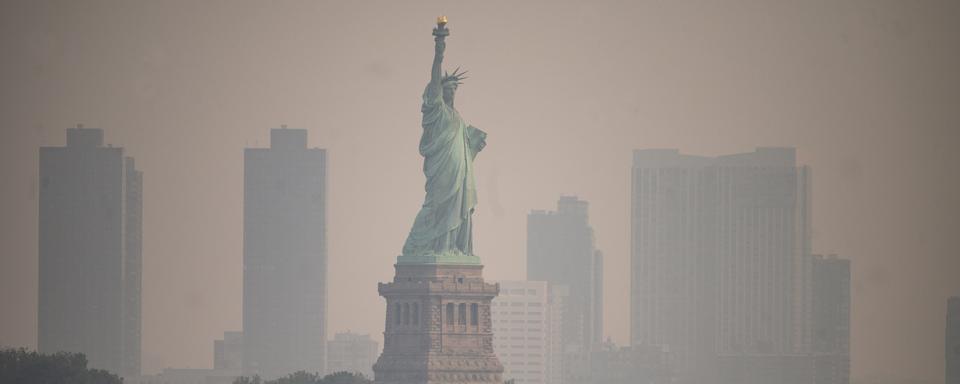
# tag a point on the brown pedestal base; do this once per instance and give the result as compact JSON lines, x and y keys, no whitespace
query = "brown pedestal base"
{"x":438,"y":327}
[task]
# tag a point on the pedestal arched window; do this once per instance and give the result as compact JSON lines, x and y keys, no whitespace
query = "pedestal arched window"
{"x":416,"y":313}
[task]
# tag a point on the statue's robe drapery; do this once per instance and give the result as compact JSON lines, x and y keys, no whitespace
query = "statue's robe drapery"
{"x":448,"y":146}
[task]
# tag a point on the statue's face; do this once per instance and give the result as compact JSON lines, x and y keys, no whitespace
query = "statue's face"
{"x":449,"y":90}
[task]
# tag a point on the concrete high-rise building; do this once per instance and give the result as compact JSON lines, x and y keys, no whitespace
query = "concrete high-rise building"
{"x":228,"y":352}
{"x":720,"y":255}
{"x":830,"y":318}
{"x":952,"y":350}
{"x":560,"y":251}
{"x":284,"y":256}
{"x":524,"y":340}
{"x":90,"y":252}
{"x":351,"y":352}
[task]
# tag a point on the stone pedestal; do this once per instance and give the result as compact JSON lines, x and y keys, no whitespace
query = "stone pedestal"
{"x":438,"y":327}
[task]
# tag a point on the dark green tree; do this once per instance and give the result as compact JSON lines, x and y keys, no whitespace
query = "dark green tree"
{"x":303,"y":377}
{"x":248,"y":380}
{"x":299,"y":377}
{"x":346,"y":378}
{"x":23,"y":366}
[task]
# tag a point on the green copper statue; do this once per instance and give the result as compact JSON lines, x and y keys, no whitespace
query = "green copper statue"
{"x":442,"y":231}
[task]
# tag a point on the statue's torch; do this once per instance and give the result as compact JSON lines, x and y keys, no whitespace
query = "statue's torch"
{"x":441,"y":29}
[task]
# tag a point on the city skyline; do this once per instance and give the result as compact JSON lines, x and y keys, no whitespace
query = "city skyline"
{"x":865,"y":96}
{"x":279,"y":182}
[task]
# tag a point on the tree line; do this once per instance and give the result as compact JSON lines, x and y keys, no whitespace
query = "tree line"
{"x":303,"y":377}
{"x":23,"y":366}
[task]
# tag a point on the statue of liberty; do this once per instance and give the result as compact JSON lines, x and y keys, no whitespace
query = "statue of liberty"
{"x":442,"y":231}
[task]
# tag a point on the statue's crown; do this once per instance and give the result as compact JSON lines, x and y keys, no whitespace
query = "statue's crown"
{"x":456,"y":77}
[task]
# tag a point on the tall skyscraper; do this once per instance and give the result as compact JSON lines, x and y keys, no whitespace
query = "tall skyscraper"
{"x":90,"y":252}
{"x":351,"y":352}
{"x":524,"y":339}
{"x":284,"y":256}
{"x":830,"y":337}
{"x":952,"y":352}
{"x":720,"y":255}
{"x":560,"y":251}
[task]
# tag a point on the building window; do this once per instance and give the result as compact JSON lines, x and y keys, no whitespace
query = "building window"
{"x":416,"y":313}
{"x":474,"y":314}
{"x":406,"y":314}
{"x":396,"y":314}
{"x":449,"y":313}
{"x":462,"y":318}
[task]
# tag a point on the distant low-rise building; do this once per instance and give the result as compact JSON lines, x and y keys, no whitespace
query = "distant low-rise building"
{"x":351,"y":352}
{"x":765,"y":369}
{"x":227,"y":366}
{"x":186,"y":376}
{"x":639,"y":364}
{"x":228,"y":352}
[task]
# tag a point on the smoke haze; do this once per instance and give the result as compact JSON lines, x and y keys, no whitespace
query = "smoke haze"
{"x":867,"y":91}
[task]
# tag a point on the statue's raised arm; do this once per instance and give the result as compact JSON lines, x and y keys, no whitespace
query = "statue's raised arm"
{"x":440,"y":34}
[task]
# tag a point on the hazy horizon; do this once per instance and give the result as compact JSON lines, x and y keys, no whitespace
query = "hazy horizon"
{"x":868,"y":93}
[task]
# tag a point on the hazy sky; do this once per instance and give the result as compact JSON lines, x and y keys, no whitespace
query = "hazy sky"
{"x":868,"y":92}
